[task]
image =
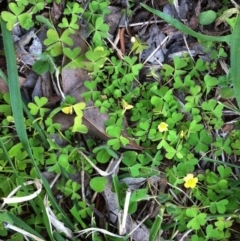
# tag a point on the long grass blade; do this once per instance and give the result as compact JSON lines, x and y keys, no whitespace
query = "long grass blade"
{"x":17,"y":109}
{"x":235,"y":60}
{"x":156,"y":227}
{"x":8,"y":217}
{"x":35,"y":124}
{"x":180,"y":26}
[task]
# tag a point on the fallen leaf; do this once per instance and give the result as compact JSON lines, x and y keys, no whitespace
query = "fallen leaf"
{"x":73,"y":85}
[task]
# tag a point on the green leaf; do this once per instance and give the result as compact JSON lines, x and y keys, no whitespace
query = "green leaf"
{"x":204,"y":141}
{"x":65,"y":38}
{"x":180,"y":26}
{"x":179,"y":63}
{"x":129,"y":158}
{"x":210,"y":82}
{"x":135,"y":169}
{"x":42,"y":66}
{"x":124,"y":140}
{"x":168,"y":70}
{"x":78,"y":126}
{"x":227,"y":92}
{"x":25,"y":20}
{"x":78,"y":108}
{"x":136,"y":68}
{"x":52,"y":37}
{"x":115,"y":143}
{"x":72,"y":53}
{"x":9,"y":18}
{"x":42,"y":19}
{"x":103,"y":156}
{"x":113,"y":131}
{"x":99,"y":24}
{"x":224,"y":171}
{"x":235,"y":59}
{"x":40,"y":101}
{"x":222,"y":223}
{"x":219,"y":206}
{"x":211,"y":232}
{"x":98,"y":184}
{"x":17,"y":10}
{"x":38,"y":7}
{"x":198,"y":221}
{"x":207,"y":17}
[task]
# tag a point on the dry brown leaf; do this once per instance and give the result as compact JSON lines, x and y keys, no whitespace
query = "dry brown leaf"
{"x":92,"y":118}
{"x":4,"y":87}
{"x":73,"y":85}
{"x":112,"y":19}
{"x":193,"y":24}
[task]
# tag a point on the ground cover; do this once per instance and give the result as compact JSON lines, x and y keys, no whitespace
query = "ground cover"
{"x":119,"y":120}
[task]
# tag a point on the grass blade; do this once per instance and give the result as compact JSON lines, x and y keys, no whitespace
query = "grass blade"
{"x":17,"y":110}
{"x":235,"y":60}
{"x":35,"y":124}
{"x":156,"y":225}
{"x":180,"y":26}
{"x":8,"y":217}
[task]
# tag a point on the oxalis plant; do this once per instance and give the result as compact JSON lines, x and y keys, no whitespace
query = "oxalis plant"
{"x":174,"y":118}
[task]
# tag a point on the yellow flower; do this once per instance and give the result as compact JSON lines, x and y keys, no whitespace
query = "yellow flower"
{"x":190,"y":181}
{"x":163,"y":127}
{"x":126,"y":106}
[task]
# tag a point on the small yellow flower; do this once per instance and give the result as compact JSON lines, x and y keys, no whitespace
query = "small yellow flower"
{"x":163,"y":127}
{"x":126,"y":106}
{"x":190,"y":181}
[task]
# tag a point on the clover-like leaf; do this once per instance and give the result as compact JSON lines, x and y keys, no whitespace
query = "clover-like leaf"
{"x":52,"y":37}
{"x":38,"y":7}
{"x":100,"y":25}
{"x":124,"y":141}
{"x":198,"y":220}
{"x":65,"y":37}
{"x":72,"y":53}
{"x":114,"y":143}
{"x":210,"y":82}
{"x":37,"y":106}
{"x":10,"y":18}
{"x":224,"y":171}
{"x":25,"y":20}
{"x":219,"y":206}
{"x":78,"y":126}
{"x":78,"y":108}
{"x":98,"y":184}
{"x":17,"y":10}
{"x":73,"y":8}
{"x":113,"y":131}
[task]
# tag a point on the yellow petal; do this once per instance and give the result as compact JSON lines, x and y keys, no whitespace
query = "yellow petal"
{"x":163,"y":127}
{"x":67,"y":110}
{"x":190,"y":181}
{"x":126,"y":106}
